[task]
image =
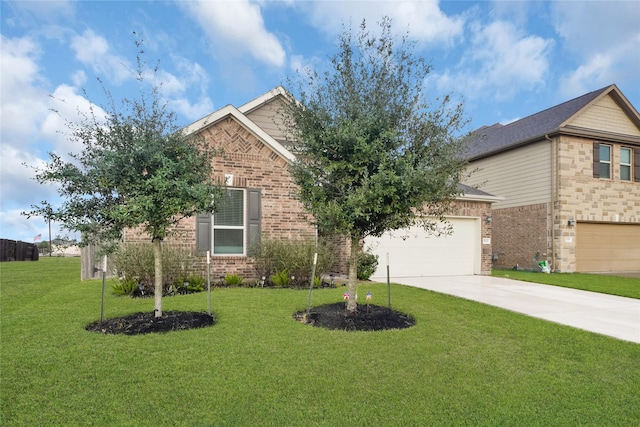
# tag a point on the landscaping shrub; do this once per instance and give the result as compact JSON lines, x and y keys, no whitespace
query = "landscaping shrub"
{"x":133,"y":262}
{"x":232,"y":279}
{"x":281,"y":279}
{"x":124,"y":287}
{"x":367,"y":265}
{"x":272,"y":257}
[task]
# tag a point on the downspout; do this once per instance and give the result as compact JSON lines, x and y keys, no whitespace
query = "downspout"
{"x":554,"y":194}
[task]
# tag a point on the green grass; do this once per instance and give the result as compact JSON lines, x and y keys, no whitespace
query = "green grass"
{"x":464,"y":363}
{"x":614,"y":285}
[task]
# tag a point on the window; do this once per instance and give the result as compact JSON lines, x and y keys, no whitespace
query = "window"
{"x":228,"y":224}
{"x":234,"y":227}
{"x":625,"y":164}
{"x":605,"y":161}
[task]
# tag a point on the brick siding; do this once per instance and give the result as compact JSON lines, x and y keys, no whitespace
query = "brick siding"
{"x":520,"y":236}
{"x":481,"y":210}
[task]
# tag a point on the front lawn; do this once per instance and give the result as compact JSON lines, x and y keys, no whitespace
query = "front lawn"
{"x":614,"y":285}
{"x":462,"y":363}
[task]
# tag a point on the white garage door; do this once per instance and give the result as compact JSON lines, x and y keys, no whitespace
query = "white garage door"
{"x":414,"y":253}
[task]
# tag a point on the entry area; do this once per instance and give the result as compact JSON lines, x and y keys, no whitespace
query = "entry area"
{"x":607,"y":247}
{"x":415,"y":253}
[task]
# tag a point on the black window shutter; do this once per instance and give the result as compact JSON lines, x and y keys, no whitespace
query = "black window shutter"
{"x":636,"y":164}
{"x":254,"y":216}
{"x":596,"y":160}
{"x":203,"y":233}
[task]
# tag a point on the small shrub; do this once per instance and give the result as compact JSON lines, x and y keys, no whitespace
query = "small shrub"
{"x":294,"y":255}
{"x":281,"y":279}
{"x":367,"y":265}
{"x":195,"y":284}
{"x":232,"y":279}
{"x":134,"y":261}
{"x":124,"y":286}
{"x":186,"y":285}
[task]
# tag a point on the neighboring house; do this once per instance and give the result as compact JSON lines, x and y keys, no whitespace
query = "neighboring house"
{"x":254,"y":164}
{"x":570,"y":181}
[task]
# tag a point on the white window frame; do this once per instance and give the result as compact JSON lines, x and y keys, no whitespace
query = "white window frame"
{"x":606,"y":162}
{"x":242,"y":227}
{"x":629,"y":165}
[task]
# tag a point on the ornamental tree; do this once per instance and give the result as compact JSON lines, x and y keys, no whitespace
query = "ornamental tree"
{"x":136,"y":169}
{"x":373,"y":154}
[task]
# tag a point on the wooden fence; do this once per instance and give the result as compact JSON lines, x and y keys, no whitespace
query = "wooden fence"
{"x":12,"y":250}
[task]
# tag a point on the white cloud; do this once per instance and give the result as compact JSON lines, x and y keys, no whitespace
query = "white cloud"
{"x":190,"y":110}
{"x":603,"y":39}
{"x":22,"y":111}
{"x":94,"y":51}
{"x":179,"y":89}
{"x":237,"y":27}
{"x":67,"y":107}
{"x":47,"y":11}
{"x":423,"y":19}
{"x":500,"y":62}
{"x":23,"y":93}
{"x":18,"y":185}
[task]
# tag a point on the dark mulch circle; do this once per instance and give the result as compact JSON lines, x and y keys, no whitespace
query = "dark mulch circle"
{"x":144,"y":323}
{"x":371,"y":318}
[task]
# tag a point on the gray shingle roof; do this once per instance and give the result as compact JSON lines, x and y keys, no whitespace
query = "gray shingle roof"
{"x":470,"y":191}
{"x":499,"y":137}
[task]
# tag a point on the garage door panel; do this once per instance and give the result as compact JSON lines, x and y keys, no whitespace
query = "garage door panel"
{"x":607,"y":247}
{"x":414,"y":253}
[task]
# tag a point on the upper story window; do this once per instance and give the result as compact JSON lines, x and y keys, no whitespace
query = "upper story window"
{"x":625,"y":164}
{"x":605,"y":161}
{"x":628,"y":162}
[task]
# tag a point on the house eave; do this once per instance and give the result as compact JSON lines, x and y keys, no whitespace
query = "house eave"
{"x":569,"y":131}
{"x":263,"y":99}
{"x":600,"y":135}
{"x":514,"y":146}
{"x":479,"y":198}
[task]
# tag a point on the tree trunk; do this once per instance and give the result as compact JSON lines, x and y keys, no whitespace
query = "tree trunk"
{"x":157,"y":264}
{"x":353,"y":274}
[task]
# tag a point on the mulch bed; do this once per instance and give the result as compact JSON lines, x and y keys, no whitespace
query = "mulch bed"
{"x":330,"y":316}
{"x":366,"y":318}
{"x":144,"y":323}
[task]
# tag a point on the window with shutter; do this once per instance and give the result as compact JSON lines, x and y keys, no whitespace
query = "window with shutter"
{"x":235,"y":225}
{"x":228,"y":224}
{"x":605,"y":161}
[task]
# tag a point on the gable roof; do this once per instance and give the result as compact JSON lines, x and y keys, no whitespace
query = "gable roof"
{"x":496,"y":138}
{"x":241,"y":118}
{"x":262,"y":100}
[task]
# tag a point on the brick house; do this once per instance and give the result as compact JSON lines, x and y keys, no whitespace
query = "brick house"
{"x":253,"y":164}
{"x":570,"y":181}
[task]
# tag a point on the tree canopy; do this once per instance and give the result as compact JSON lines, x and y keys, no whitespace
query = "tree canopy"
{"x":373,"y":154}
{"x":136,"y":169}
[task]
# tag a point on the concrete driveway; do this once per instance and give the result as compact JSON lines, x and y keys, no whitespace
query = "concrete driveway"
{"x":610,"y":315}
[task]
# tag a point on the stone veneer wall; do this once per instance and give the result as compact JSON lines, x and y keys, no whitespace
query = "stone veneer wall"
{"x":583,"y":198}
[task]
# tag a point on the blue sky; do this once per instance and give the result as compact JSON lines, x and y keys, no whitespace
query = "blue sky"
{"x":504,"y":59}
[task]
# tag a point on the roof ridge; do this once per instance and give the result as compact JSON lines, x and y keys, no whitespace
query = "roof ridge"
{"x":497,"y":138}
